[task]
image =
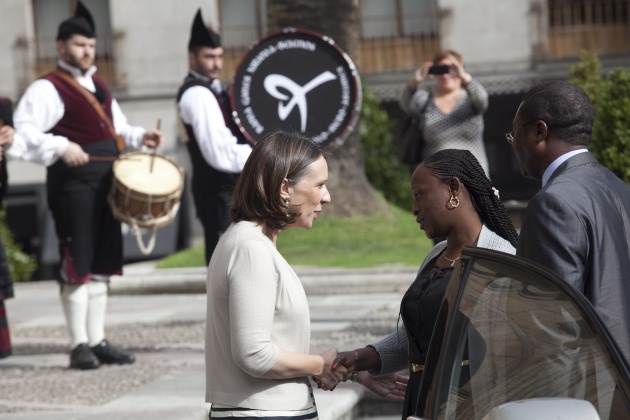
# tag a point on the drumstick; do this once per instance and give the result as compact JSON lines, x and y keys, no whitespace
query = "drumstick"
{"x":106,"y":158}
{"x":102,"y":158}
{"x":159,"y":121}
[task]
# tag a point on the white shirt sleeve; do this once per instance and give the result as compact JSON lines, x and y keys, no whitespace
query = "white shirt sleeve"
{"x":38,"y":111}
{"x":132,"y":134}
{"x":199,"y":108}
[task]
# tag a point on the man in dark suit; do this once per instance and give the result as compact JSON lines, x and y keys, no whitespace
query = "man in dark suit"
{"x":578,"y":224}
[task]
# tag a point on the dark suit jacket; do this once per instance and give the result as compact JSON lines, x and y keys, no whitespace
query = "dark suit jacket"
{"x":578,"y":226}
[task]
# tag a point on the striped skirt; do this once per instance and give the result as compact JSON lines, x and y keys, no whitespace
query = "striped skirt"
{"x":218,"y":411}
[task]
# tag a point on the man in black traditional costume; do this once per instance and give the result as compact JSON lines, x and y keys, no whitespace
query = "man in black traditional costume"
{"x":65,"y":120}
{"x":217,"y":148}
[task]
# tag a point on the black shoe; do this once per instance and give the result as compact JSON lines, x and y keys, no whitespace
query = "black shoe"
{"x":82,"y":357}
{"x":109,"y":354}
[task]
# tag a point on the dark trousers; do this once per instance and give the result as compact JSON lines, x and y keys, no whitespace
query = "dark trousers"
{"x":213,"y":210}
{"x":90,"y":239}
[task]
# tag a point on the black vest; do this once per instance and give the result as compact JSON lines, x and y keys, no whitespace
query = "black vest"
{"x":205,"y":178}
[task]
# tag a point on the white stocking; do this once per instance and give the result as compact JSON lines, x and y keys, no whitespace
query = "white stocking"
{"x":97,"y":291}
{"x":74,"y":300}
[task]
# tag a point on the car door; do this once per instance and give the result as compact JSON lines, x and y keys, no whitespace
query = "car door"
{"x":510,"y":330}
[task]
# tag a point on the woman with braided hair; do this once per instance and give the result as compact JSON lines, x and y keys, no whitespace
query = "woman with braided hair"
{"x":452,"y":198}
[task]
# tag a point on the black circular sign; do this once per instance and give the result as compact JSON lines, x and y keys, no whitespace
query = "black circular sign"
{"x":297,"y":80}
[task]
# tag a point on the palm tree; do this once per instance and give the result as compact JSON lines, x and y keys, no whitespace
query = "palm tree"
{"x":351,"y":192}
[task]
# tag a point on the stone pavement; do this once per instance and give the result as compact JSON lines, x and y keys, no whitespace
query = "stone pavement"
{"x":159,"y":315}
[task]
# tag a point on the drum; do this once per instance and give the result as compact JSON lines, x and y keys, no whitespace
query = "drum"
{"x":145,"y":192}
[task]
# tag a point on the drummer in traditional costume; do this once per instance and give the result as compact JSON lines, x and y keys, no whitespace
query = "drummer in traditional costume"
{"x":6,"y":282}
{"x":217,"y":148}
{"x":62,"y":120}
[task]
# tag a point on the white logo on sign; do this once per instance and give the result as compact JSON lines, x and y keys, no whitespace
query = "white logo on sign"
{"x":275,"y":81}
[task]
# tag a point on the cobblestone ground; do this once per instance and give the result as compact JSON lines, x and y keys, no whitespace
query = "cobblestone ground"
{"x":358,"y":334}
{"x":45,"y":388}
{"x":58,"y":386}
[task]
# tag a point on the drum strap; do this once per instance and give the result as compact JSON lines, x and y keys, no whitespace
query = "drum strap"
{"x":120,"y":142}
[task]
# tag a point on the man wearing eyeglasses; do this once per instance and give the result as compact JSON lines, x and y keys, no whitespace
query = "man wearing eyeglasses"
{"x":578,"y":224}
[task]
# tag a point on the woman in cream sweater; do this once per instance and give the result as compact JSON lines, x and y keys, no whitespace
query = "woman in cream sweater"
{"x":258,"y":362}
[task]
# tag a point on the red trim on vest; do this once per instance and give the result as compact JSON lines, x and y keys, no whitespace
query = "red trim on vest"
{"x":80,"y":122}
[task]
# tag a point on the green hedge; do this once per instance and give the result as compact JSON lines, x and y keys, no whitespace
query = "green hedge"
{"x":21,"y":265}
{"x":610,"y":96}
{"x":383,"y":169}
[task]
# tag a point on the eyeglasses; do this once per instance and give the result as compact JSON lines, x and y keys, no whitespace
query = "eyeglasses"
{"x":510,"y":136}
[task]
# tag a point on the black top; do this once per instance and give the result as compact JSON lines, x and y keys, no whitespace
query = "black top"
{"x":419,"y":310}
{"x":420,"y":305}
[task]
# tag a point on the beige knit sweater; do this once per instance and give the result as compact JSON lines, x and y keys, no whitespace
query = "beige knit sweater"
{"x":256,"y":306}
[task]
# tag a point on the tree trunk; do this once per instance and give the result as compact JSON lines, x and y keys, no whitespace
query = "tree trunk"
{"x":350,"y":190}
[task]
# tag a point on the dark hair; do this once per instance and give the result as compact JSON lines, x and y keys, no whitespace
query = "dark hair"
{"x":449,"y":163}
{"x":279,"y":156}
{"x":564,"y":107}
{"x":441,"y":55}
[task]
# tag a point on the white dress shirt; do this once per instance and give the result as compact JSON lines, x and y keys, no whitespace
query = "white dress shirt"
{"x":199,"y":108}
{"x":556,"y":163}
{"x":41,"y":108}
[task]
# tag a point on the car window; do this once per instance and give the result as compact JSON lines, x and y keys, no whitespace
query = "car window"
{"x":514,"y":333}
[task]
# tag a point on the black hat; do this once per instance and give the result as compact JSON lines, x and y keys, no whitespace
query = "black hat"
{"x":201,"y":35}
{"x":81,"y":23}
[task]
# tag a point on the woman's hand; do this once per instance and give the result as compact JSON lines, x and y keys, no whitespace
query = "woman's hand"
{"x":330,"y":376}
{"x":391,"y":387}
{"x":419,"y":75}
{"x":365,"y":358}
{"x":347,"y":359}
{"x":457,"y":69}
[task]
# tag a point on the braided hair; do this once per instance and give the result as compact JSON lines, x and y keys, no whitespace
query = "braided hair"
{"x":449,"y":163}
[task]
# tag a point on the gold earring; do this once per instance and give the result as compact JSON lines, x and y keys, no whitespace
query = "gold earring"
{"x":454,"y":201}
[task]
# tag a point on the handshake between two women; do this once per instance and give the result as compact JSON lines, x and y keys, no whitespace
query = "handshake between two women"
{"x":349,"y":365}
